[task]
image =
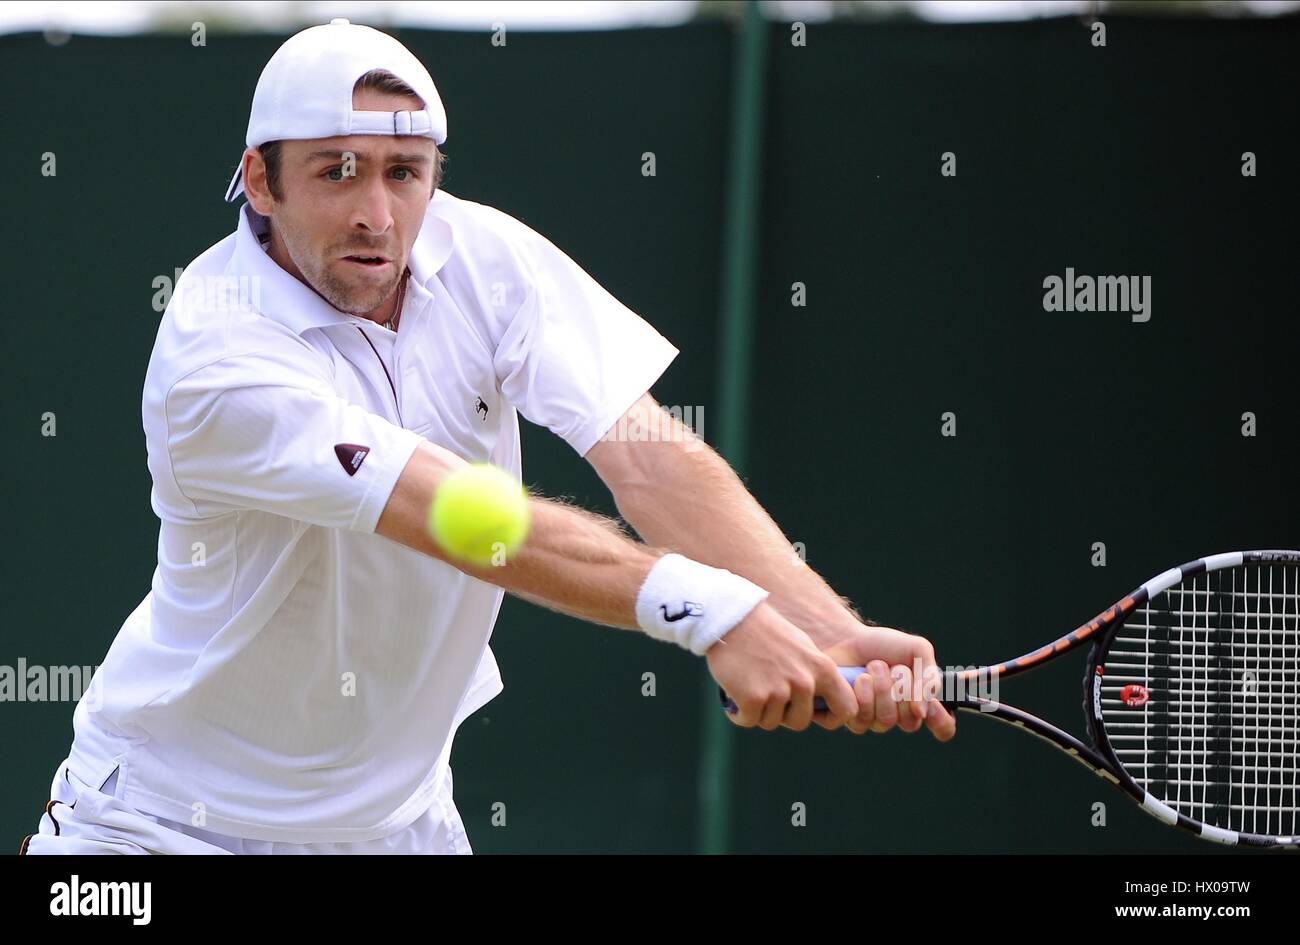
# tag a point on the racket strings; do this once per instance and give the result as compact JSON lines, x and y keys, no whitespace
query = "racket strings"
{"x":1200,"y":697}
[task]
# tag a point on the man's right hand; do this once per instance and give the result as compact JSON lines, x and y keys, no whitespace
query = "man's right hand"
{"x":772,"y":670}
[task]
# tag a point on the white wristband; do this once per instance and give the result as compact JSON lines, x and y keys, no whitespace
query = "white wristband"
{"x":692,"y":604}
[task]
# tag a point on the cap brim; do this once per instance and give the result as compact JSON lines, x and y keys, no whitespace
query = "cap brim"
{"x":236,"y":184}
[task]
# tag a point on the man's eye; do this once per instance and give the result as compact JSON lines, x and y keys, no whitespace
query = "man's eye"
{"x":334,"y":173}
{"x":409,"y":174}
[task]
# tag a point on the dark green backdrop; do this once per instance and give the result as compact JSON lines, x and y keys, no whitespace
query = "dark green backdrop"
{"x":924,"y":296}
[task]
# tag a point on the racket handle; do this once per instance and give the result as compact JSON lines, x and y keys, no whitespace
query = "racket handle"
{"x":850,"y":674}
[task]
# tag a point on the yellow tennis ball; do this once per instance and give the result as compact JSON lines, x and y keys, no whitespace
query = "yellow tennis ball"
{"x":479,"y":514}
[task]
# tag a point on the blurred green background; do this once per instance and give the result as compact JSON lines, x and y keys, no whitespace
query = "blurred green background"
{"x":924,"y":296}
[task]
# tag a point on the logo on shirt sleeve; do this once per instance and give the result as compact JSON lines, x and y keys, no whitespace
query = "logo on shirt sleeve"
{"x":351,"y":456}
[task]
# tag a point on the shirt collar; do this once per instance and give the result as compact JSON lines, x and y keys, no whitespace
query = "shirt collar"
{"x":431,"y":251}
{"x":296,"y":305}
{"x":433,"y":246}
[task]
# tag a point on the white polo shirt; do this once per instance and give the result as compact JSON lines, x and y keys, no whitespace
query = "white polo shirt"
{"x":292,"y":675}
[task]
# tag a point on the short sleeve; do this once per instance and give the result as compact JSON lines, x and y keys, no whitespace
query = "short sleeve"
{"x":251,"y":432}
{"x":574,"y":359}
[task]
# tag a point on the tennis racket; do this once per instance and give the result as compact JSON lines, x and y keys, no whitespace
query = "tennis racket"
{"x":1191,"y":697}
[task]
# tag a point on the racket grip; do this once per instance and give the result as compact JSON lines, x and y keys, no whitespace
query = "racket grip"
{"x":850,"y":674}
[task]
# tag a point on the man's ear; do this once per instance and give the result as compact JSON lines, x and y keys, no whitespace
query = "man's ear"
{"x":255,"y":185}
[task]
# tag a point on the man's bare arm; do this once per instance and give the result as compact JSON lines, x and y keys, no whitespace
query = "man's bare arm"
{"x":678,"y":493}
{"x":574,"y":561}
{"x":583,"y":565}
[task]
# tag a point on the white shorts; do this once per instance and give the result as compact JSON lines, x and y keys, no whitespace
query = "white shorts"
{"x":82,"y":819}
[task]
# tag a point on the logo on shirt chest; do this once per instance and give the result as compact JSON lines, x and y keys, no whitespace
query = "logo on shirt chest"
{"x":481,"y":407}
{"x":351,"y":456}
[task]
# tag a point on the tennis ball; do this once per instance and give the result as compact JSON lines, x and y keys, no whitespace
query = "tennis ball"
{"x":478,"y":514}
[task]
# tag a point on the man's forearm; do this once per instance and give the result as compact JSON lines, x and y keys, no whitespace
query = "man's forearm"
{"x":574,"y":561}
{"x":578,"y":563}
{"x":682,"y":496}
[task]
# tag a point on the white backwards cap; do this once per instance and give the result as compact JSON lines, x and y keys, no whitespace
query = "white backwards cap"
{"x":306,"y":90}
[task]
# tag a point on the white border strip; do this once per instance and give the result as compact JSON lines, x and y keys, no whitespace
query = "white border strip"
{"x":1158,"y":808}
{"x":1219,"y":835}
{"x":1229,"y":559}
{"x":1163,"y":581}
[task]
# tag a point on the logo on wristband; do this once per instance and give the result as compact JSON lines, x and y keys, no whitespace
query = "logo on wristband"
{"x":689,"y":609}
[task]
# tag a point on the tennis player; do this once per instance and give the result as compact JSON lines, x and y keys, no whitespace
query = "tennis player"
{"x":294,"y":679}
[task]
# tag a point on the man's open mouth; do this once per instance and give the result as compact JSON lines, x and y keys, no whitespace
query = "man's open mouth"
{"x":364,"y":263}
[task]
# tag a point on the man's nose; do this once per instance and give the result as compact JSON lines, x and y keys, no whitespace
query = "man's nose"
{"x":373,"y":209}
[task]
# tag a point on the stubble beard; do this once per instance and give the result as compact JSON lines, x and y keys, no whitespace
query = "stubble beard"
{"x":340,"y":293}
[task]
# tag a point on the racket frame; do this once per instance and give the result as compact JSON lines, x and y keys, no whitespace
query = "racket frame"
{"x":1097,"y":755}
